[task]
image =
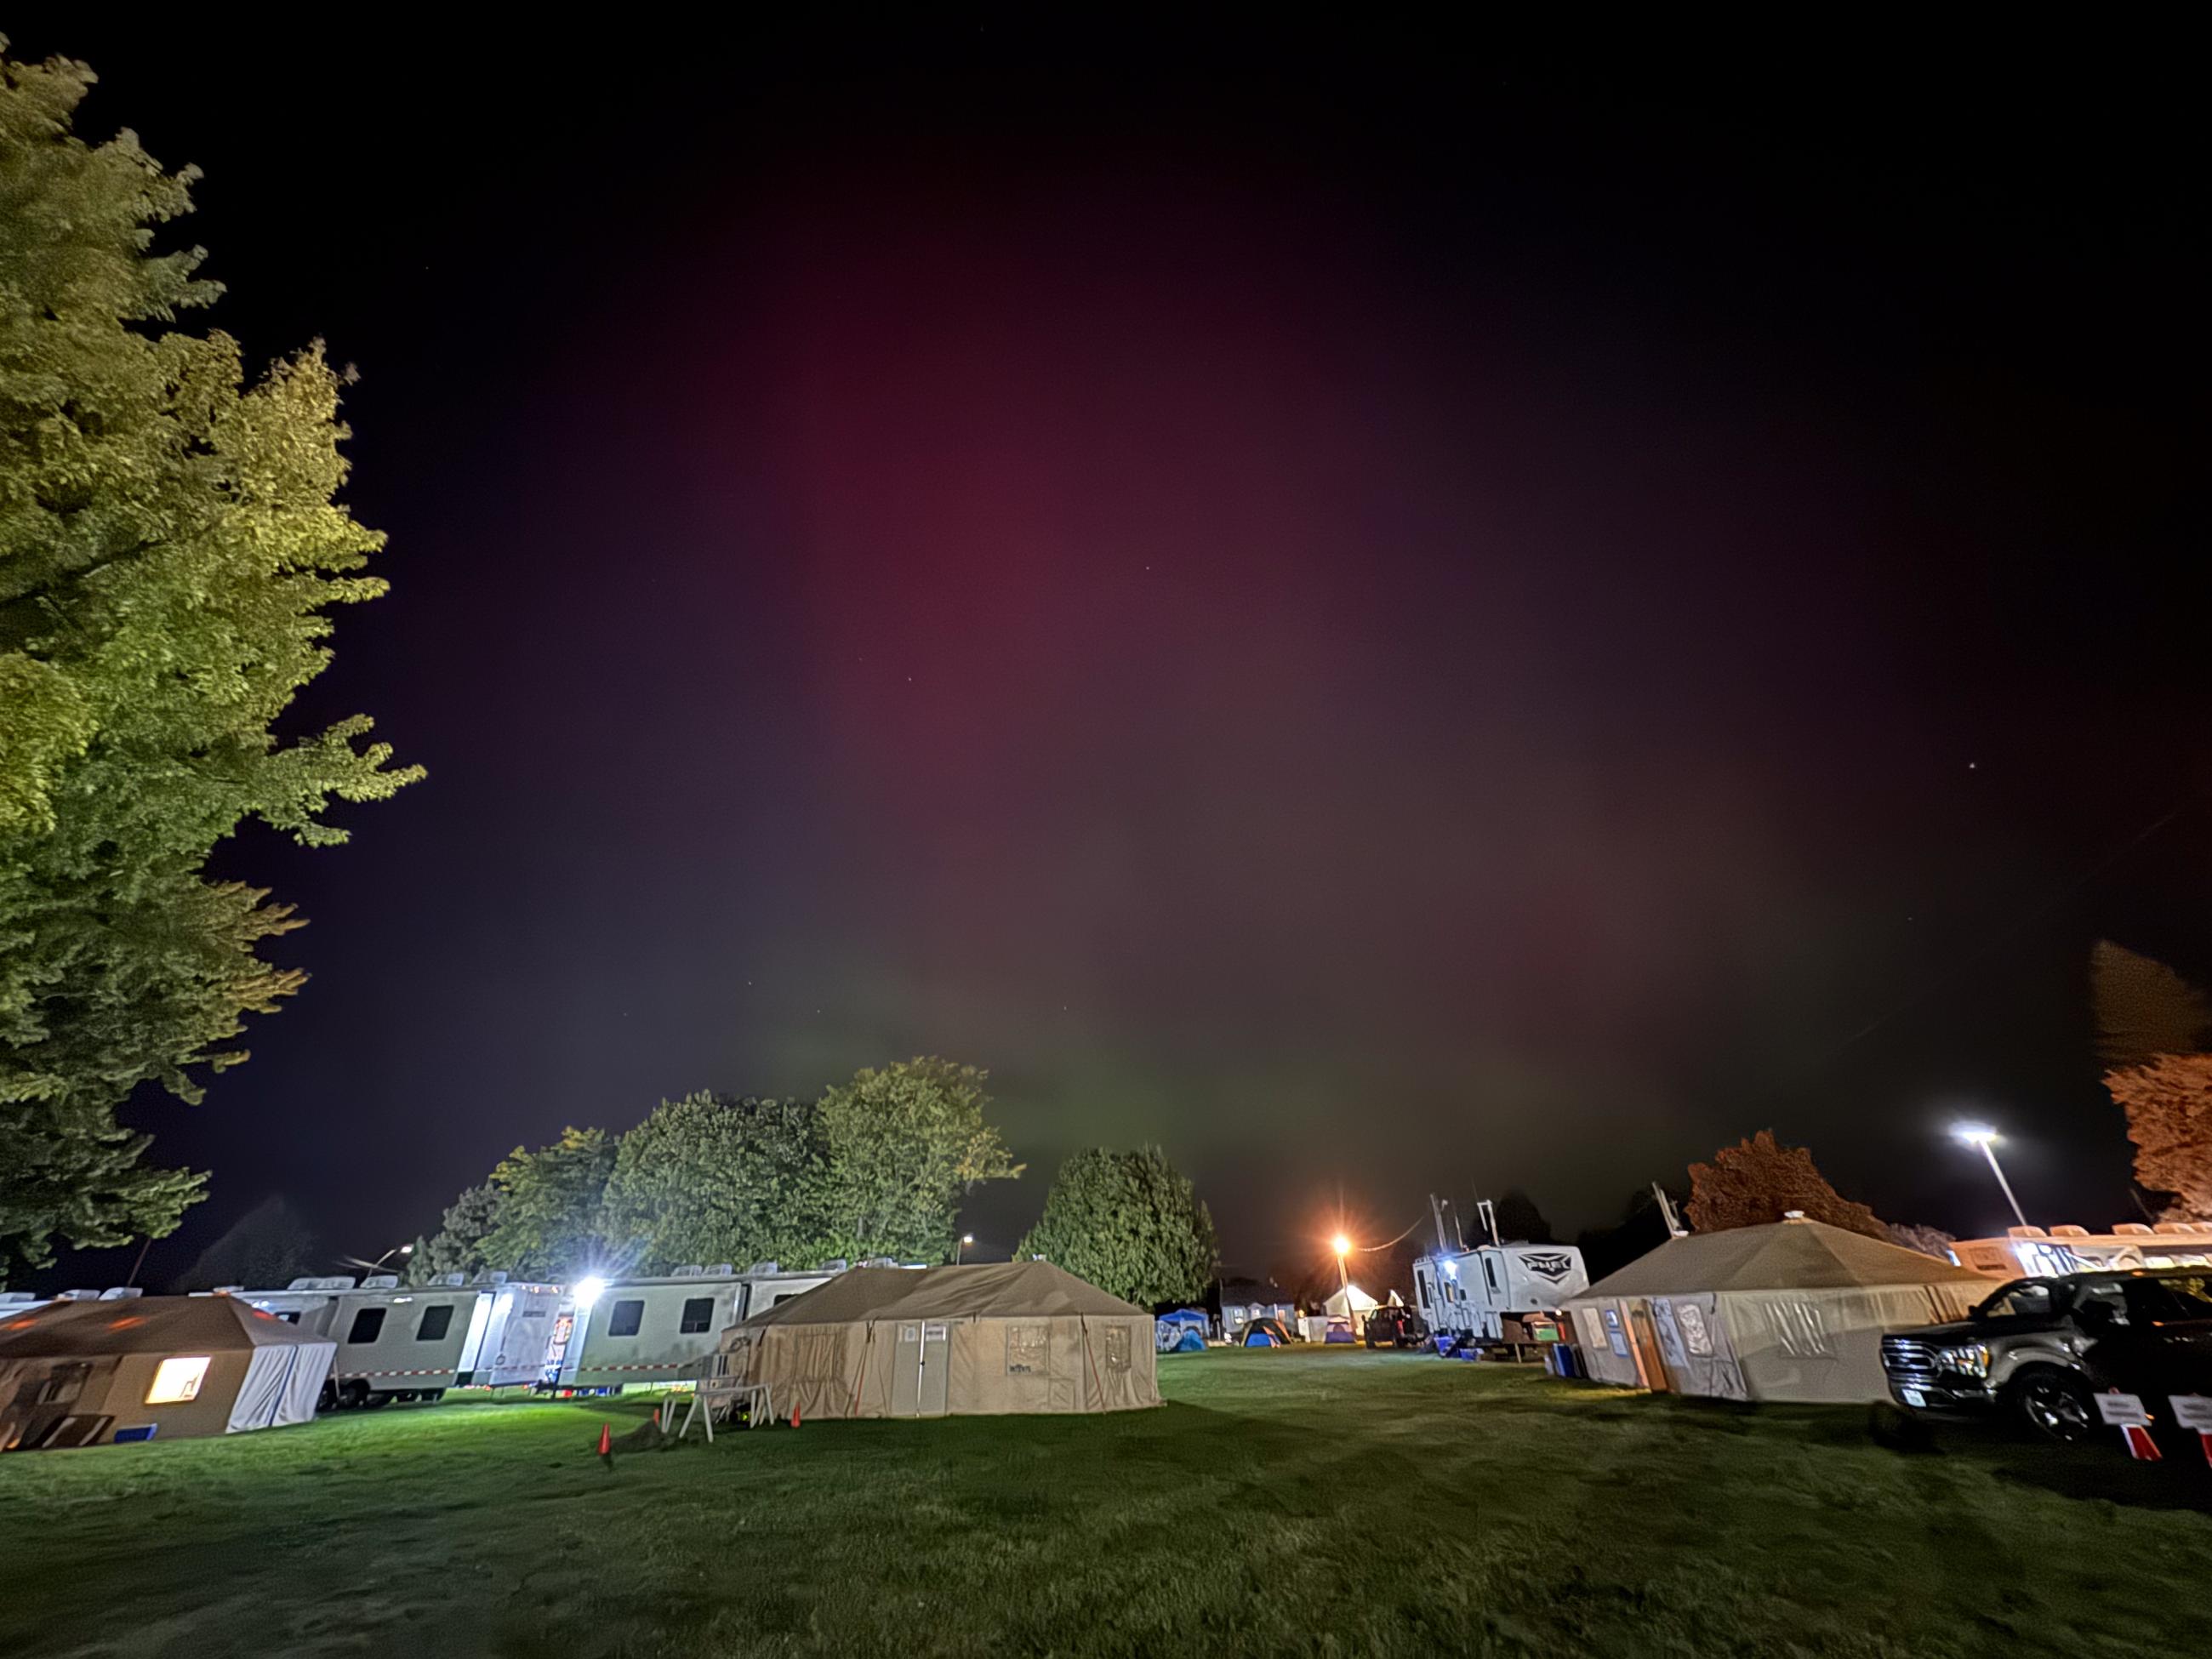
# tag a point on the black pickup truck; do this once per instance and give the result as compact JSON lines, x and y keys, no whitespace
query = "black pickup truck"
{"x":2039,"y":1350}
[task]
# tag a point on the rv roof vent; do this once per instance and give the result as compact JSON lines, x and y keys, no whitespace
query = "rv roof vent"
{"x":1793,"y":1215}
{"x":78,"y":1296}
{"x":229,"y":1290}
{"x":2173,"y":1227}
{"x":2025,"y":1232}
{"x":493,"y":1276}
{"x":121,"y":1293}
{"x":380,"y":1282}
{"x":2133,"y":1229}
{"x":721,"y":1270}
{"x":836,"y":1264}
{"x":9,"y":1298}
{"x":879,"y":1261}
{"x":305,"y":1285}
{"x":688,"y":1272}
{"x":760,"y":1267}
{"x":453,"y":1281}
{"x":2070,"y":1232}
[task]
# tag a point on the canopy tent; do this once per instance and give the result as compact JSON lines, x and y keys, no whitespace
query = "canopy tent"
{"x":1794,"y":1309}
{"x":1350,"y":1302}
{"x":994,"y":1337}
{"x":77,"y":1373}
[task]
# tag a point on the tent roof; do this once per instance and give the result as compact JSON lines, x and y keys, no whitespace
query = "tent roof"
{"x":988,"y":1288}
{"x":145,"y":1324}
{"x":1350,"y":1299}
{"x":1780,"y":1255}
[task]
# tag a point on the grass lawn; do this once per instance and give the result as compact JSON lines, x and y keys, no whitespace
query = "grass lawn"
{"x":1327,"y":1502}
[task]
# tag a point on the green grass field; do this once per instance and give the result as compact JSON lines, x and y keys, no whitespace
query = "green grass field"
{"x":1334,"y":1501}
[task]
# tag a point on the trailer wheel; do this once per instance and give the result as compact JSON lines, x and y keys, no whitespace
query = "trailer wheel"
{"x":352,"y":1394}
{"x":432,"y":1395}
{"x":376,"y":1399}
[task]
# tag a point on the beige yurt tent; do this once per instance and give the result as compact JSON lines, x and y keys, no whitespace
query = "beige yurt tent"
{"x":1350,"y":1302}
{"x":82,"y":1373}
{"x":1791,"y":1310}
{"x":997,"y":1337}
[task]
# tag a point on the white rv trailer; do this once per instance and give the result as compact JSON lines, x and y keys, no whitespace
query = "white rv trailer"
{"x":2033,"y":1251}
{"x":415,"y":1341}
{"x":1489,"y":1292}
{"x":639,"y":1332}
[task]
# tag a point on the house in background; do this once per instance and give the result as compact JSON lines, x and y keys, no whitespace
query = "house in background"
{"x":1237,"y":1301}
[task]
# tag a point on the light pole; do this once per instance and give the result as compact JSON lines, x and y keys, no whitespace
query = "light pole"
{"x":1342,"y":1246}
{"x":966,"y":1239}
{"x":397,"y":1249}
{"x":1981,"y":1135}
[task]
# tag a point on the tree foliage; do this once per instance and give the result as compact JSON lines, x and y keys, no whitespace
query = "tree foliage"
{"x":169,"y":544}
{"x":905,"y":1143}
{"x":1519,"y":1220}
{"x":549,"y":1207}
{"x":1928,"y":1240}
{"x":2143,"y":1008}
{"x":458,"y":1246}
{"x":266,"y":1248}
{"x":1128,"y":1223}
{"x":1760,"y":1180}
{"x":2168,"y":1101}
{"x":715,"y":1178}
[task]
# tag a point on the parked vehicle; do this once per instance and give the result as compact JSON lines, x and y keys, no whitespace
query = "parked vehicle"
{"x":1396,"y":1327}
{"x":1491,"y":1292}
{"x":2040,"y":1253}
{"x":399,"y":1342}
{"x":638,"y":1332}
{"x":2040,"y":1350}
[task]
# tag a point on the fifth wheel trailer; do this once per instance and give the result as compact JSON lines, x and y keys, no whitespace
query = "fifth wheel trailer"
{"x":642,"y":1332}
{"x":415,"y":1341}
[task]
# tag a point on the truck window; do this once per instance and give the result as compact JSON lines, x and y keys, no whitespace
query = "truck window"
{"x":366,"y":1325}
{"x":2168,"y":1301}
{"x":626,"y":1318}
{"x":435,"y":1323}
{"x":698,"y":1314}
{"x":2024,"y":1298}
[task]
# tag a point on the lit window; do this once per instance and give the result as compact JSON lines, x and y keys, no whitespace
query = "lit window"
{"x":176,"y":1381}
{"x":698,"y":1314}
{"x":626,"y":1318}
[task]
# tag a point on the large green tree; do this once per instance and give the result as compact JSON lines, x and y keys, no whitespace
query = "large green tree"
{"x":458,"y":1246}
{"x":169,"y":546}
{"x":715,"y":1178}
{"x":1129,"y":1223}
{"x":906,"y":1142}
{"x":550,"y":1206}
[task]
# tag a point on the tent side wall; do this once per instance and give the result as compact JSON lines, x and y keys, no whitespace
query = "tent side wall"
{"x":1825,"y":1346}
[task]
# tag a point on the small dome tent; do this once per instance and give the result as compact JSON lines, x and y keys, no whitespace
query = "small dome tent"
{"x":83,"y":1373}
{"x":1791,"y":1310}
{"x":994,"y":1337}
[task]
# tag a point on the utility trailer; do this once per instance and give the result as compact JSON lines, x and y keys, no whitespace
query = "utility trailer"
{"x":2035,"y":1252}
{"x":642,"y":1333}
{"x":1501,"y":1294}
{"x":415,"y":1341}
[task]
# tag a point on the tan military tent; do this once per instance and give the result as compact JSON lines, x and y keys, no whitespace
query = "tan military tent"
{"x":81,"y":1373}
{"x":997,"y":1337}
{"x":1791,"y":1310}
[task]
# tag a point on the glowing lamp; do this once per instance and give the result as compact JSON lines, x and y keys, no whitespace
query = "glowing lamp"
{"x":1341,"y":1244}
{"x":588,"y":1289}
{"x":1974,"y":1134}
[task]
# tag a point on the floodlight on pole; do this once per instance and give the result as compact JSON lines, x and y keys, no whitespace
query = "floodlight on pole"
{"x":1981,"y":1135}
{"x":966,"y":1239}
{"x":1342,"y":1246}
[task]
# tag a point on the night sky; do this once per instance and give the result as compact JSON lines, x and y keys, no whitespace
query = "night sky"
{"x":1391,"y":612}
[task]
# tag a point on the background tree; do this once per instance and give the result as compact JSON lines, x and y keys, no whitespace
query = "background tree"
{"x":715,"y":1178}
{"x":168,"y":546}
{"x":1928,"y":1240}
{"x":1128,"y":1223}
{"x":265,"y":1248}
{"x":1519,"y":1220}
{"x":458,"y":1245}
{"x":549,"y":1204}
{"x":2152,"y":1026}
{"x":1759,"y":1179}
{"x":2168,"y":1101}
{"x":905,"y":1143}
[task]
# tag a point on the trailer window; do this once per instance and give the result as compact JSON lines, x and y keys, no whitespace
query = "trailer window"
{"x":435,"y":1323}
{"x":698,"y":1314}
{"x":626,"y":1318}
{"x":366,"y":1325}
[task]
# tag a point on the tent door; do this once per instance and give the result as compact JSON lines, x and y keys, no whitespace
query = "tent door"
{"x":919,"y":1366}
{"x":1646,"y":1341}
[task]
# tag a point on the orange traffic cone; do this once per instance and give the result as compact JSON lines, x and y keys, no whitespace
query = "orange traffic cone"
{"x":794,"y":1417}
{"x":607,"y":1442}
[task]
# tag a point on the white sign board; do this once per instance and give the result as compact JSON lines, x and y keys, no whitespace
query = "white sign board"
{"x":2192,"y":1411}
{"x":2124,"y":1411}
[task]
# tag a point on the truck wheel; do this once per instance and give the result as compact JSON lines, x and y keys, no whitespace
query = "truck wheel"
{"x":2053,"y":1404}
